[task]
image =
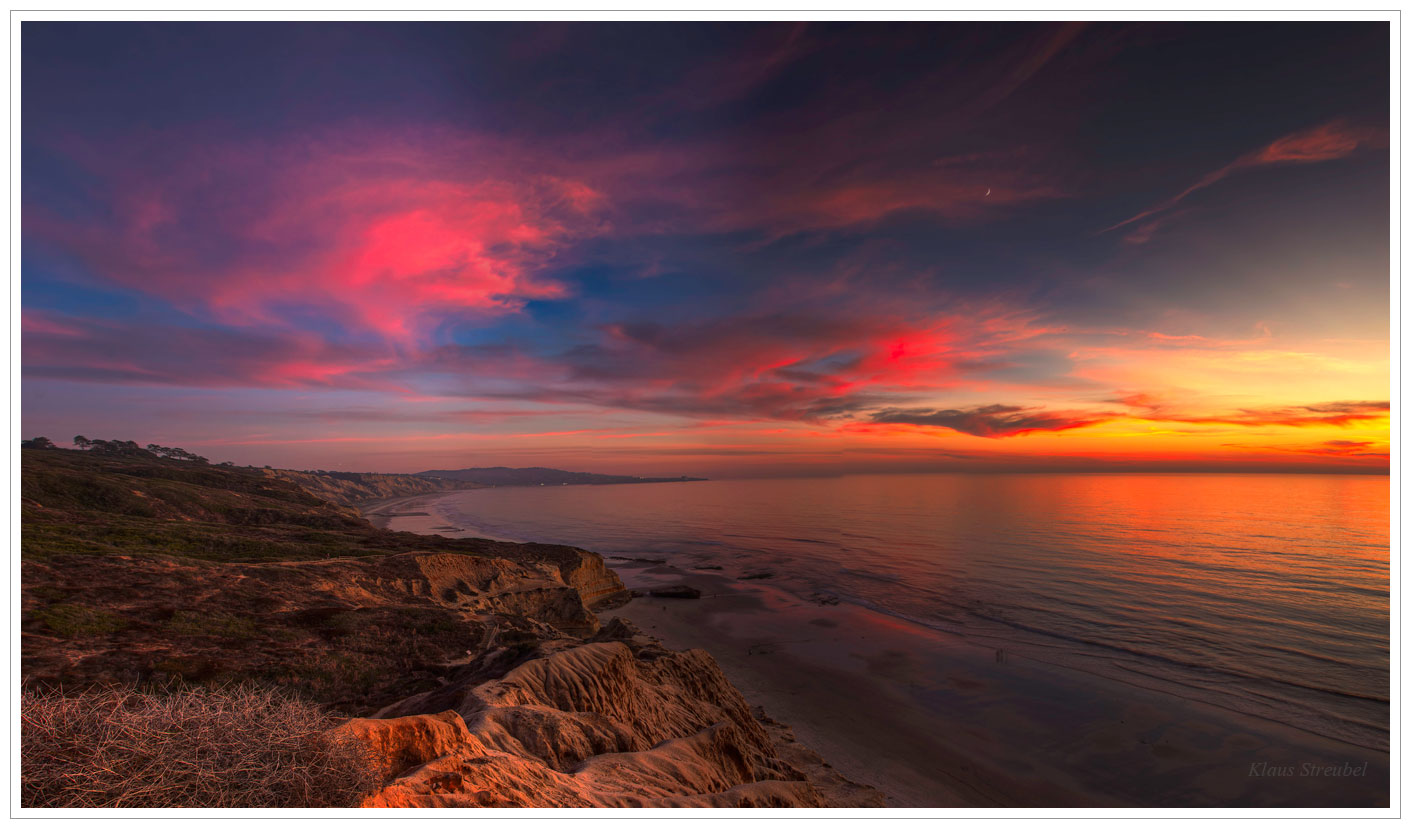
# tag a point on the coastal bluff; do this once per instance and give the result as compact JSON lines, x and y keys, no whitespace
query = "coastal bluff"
{"x":356,"y":488}
{"x":614,"y":720}
{"x":470,"y":672}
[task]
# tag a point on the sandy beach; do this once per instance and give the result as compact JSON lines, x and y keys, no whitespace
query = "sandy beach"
{"x":935,"y":720}
{"x":417,"y":514}
{"x":408,"y":512}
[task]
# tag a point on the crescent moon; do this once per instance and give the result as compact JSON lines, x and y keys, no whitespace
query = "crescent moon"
{"x":987,"y":191}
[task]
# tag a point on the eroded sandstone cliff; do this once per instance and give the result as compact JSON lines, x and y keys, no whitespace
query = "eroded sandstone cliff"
{"x":612,"y":721}
{"x":475,"y":670}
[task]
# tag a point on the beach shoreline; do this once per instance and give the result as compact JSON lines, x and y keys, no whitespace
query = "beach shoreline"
{"x":934,"y":720}
{"x":417,"y":514}
{"x":381,"y":512}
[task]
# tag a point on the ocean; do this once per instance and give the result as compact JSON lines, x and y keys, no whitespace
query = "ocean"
{"x":1264,"y":594}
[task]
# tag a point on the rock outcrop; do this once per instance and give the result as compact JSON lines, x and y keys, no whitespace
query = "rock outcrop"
{"x":616,"y":721}
{"x":475,"y":670}
{"x":482,"y":681}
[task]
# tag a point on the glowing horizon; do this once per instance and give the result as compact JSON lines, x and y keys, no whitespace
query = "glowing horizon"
{"x":711,"y":250}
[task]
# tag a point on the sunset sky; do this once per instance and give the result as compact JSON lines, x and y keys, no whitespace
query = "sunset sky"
{"x":710,"y":249}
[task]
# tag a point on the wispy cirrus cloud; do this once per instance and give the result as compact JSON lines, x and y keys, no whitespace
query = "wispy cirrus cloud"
{"x":1335,"y":413}
{"x":141,"y":352}
{"x":1327,"y":142}
{"x":1349,"y":449}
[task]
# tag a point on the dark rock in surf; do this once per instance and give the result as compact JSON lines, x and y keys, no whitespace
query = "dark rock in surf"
{"x":680,"y":591}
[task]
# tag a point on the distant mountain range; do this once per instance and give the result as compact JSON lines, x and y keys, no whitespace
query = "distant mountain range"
{"x":538,"y":476}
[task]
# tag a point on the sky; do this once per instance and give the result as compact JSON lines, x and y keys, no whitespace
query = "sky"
{"x":711,"y":249}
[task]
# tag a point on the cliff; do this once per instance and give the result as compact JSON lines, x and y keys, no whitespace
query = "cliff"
{"x":614,"y":720}
{"x":353,"y":488}
{"x":474,"y":670}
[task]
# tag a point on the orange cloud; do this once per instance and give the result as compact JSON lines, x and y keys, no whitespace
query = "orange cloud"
{"x":1338,"y":413}
{"x":1350,"y":449}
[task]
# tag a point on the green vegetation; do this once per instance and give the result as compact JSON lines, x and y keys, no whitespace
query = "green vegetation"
{"x":97,"y":503}
{"x":75,"y":621}
{"x":100,"y":504}
{"x":122,"y":448}
{"x":212,"y":623}
{"x":142,"y":569}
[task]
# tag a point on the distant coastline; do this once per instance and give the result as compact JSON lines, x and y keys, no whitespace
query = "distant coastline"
{"x":539,"y":476}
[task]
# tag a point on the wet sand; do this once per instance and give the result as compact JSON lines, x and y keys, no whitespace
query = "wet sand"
{"x":411,"y":513}
{"x":418,"y":514}
{"x":934,"y":720}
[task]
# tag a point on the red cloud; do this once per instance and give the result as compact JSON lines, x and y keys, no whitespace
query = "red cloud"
{"x":776,"y":366}
{"x":1324,"y":143}
{"x":381,"y":236}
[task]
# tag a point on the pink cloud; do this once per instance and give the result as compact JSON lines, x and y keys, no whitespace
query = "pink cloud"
{"x":781,"y":366}
{"x":41,"y":323}
{"x":143,"y":353}
{"x":385,"y":236}
{"x":391,"y":233}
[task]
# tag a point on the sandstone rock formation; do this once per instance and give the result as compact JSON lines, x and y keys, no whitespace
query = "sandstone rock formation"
{"x":475,"y":670}
{"x":495,"y":683}
{"x":616,"y":721}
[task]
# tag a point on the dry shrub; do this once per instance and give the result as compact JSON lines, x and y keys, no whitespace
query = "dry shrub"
{"x":233,"y":746}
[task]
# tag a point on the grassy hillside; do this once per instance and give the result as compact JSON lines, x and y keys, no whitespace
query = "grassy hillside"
{"x":353,"y":488}
{"x":93,"y":504}
{"x":138,"y":569}
{"x":189,"y":633}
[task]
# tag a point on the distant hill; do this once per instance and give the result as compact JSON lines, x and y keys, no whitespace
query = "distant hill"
{"x":355,"y":488}
{"x":538,"y":476}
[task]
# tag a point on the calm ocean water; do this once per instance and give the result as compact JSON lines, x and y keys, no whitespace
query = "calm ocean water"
{"x":1266,"y":594}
